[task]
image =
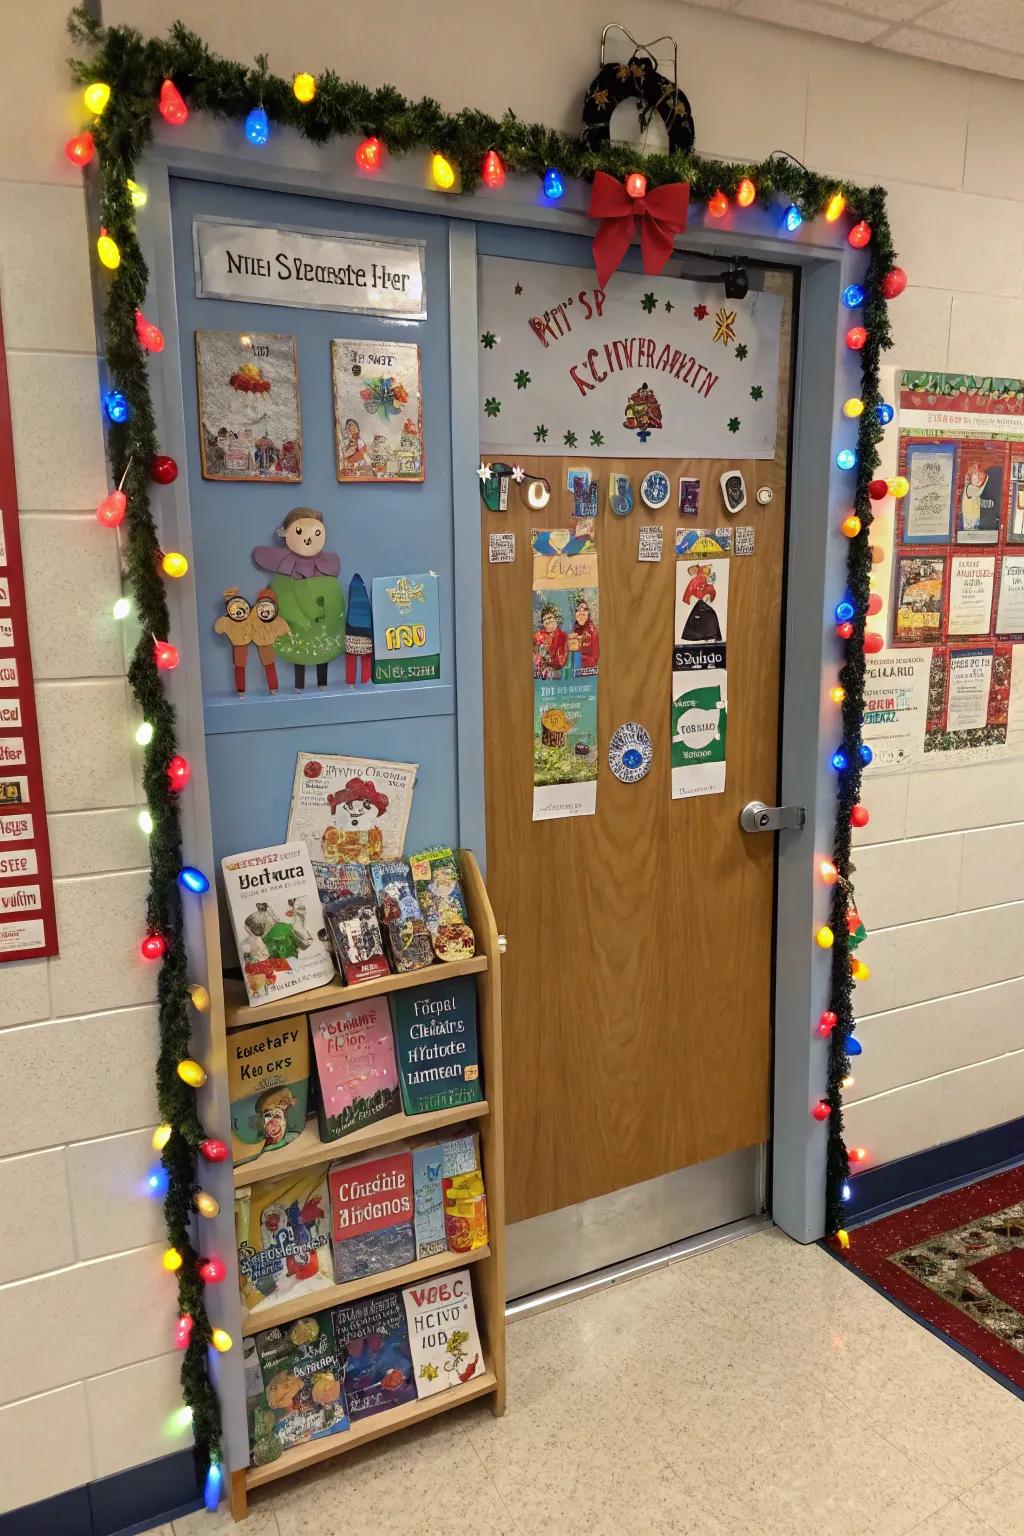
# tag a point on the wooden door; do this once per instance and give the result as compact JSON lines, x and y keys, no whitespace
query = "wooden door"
{"x":637,"y":982}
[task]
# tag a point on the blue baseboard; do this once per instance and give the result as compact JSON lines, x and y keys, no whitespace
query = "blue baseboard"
{"x":125,"y":1504}
{"x":877,"y":1191}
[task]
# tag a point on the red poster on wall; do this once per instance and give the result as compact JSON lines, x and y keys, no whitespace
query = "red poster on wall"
{"x":28,"y":925}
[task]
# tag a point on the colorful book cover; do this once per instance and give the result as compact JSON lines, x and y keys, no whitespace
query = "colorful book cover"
{"x":401,"y":916}
{"x":406,"y":629}
{"x":465,"y":1211}
{"x":372,"y":1213}
{"x":277,"y":919}
{"x":268,"y":1085}
{"x":435,"y":878}
{"x":356,"y":939}
{"x":436,"y":1045}
{"x":373,"y":1343}
{"x":443,"y":1338}
{"x":427,"y":1172}
{"x":355,"y":1064}
{"x":303,"y":1395}
{"x":341,"y":882}
{"x":349,"y":810}
{"x":283,"y":1234}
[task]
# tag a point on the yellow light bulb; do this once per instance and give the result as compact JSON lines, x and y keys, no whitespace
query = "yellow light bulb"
{"x":172,"y":1260}
{"x":859,"y":971}
{"x":220,"y":1340}
{"x":848,"y":1082}
{"x":200,"y":998}
{"x":898,"y":486}
{"x":851,"y":526}
{"x":853,"y":407}
{"x":836,"y":207}
{"x":825,"y":938}
{"x":138,"y":195}
{"x":174,"y":564}
{"x":442,"y":172}
{"x":207,"y":1204}
{"x":108,"y":251}
{"x":304,"y":87}
{"x":837,"y":694}
{"x":161,"y":1136}
{"x":146,"y":823}
{"x":191,"y":1072}
{"x":96,"y":97}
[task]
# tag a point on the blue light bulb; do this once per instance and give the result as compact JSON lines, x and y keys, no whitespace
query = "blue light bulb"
{"x":846,"y":1192}
{"x":212,"y":1487}
{"x":793,"y":218}
{"x":853,"y":1046}
{"x":554,"y":186}
{"x":157,"y":1181}
{"x":853,"y":295}
{"x":116,"y":406}
{"x":866,"y":753}
{"x":257,"y":126}
{"x":844,"y":611}
{"x":840,"y":760}
{"x":846,"y":458}
{"x":193,"y":880}
{"x":885,"y":413}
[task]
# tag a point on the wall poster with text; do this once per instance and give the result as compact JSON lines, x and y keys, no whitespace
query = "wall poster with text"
{"x":566,"y":622}
{"x":699,"y":693}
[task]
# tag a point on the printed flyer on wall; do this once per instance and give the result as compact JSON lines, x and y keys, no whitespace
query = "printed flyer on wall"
{"x":699,"y":693}
{"x":566,"y":619}
{"x":895,"y":705}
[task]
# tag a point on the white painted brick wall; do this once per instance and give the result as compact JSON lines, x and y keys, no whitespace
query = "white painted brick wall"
{"x":83,"y":1357}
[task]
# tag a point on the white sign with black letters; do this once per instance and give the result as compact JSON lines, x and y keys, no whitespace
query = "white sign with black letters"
{"x":311,"y":269}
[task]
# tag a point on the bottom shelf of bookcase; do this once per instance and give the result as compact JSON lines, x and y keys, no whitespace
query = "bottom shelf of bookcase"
{"x":372,"y":1428}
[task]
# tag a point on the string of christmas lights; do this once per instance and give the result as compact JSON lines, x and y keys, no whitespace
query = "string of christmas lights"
{"x":126,"y":79}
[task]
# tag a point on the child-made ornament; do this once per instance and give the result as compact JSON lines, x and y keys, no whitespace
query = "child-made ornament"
{"x":620,"y":495}
{"x":172,"y":104}
{"x":306,"y":588}
{"x":358,"y":633}
{"x":259,"y":624}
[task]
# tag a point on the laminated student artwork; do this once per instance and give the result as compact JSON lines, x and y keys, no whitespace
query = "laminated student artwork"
{"x":699,"y":690}
{"x":283,"y":1237}
{"x":565,"y":620}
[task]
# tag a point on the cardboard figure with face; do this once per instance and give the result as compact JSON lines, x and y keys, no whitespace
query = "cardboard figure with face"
{"x":306,"y":587}
{"x":259,"y":624}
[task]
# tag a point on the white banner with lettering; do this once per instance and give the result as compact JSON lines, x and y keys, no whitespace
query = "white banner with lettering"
{"x":656,"y":367}
{"x":262,"y":264}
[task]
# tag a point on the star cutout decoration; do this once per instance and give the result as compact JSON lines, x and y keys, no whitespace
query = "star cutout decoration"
{"x":734,"y":423}
{"x":648,"y":302}
{"x":492,"y":406}
{"x":518,"y":288}
{"x":570,"y":439}
{"x":669,"y":306}
{"x":741,"y":351}
{"x":518,"y":474}
{"x":522,"y":379}
{"x":725,"y":327}
{"x":488,"y":340}
{"x":484,"y":472}
{"x":700,"y":311}
{"x":597,"y":439}
{"x":756,"y":392}
{"x":540,"y":433}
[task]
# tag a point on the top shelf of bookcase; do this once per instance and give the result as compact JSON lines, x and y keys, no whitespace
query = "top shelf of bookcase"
{"x":238,"y":1011}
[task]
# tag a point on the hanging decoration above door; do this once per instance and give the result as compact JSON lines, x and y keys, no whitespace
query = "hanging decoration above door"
{"x":126,"y":79}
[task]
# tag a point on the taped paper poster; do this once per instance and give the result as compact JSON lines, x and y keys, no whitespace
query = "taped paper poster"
{"x":699,"y":688}
{"x":566,"y":648}
{"x":895,"y":706}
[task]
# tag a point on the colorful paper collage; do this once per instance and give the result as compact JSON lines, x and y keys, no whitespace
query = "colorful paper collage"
{"x":406,"y":629}
{"x":378,"y":425}
{"x":566,"y":622}
{"x":249,"y":420}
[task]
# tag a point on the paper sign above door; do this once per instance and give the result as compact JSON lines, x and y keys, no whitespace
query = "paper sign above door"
{"x":310,"y":269}
{"x":655,"y":367}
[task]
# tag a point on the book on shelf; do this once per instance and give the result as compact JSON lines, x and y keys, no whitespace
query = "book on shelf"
{"x":277,"y":921}
{"x":372,"y":1213}
{"x":436,"y":1045}
{"x":350,"y":809}
{"x":351,"y":917}
{"x":435,"y":877}
{"x":401,"y":918}
{"x":443,"y":1338}
{"x":439,"y":1168}
{"x":268,"y":1085}
{"x":354,"y":1052}
{"x":282,"y":1230}
{"x":373,"y":1344}
{"x":294,"y":1384}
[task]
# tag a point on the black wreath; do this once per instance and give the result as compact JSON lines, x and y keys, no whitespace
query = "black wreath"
{"x":638,"y":80}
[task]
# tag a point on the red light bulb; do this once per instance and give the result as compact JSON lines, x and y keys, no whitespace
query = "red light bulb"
{"x":493,"y":172}
{"x":718,"y":205}
{"x":172,"y":104}
{"x":845,"y":630}
{"x":150,"y":336}
{"x":860,"y":816}
{"x":874,"y":605}
{"x":893,"y":283}
{"x":852,"y":920}
{"x":856,"y":336}
{"x":746,"y":192}
{"x":636,"y":184}
{"x":183,"y":1332}
{"x":80,"y":149}
{"x":859,"y":235}
{"x":179,"y":771}
{"x":369,"y":155}
{"x":878,"y":490}
{"x":153,"y":946}
{"x":213,"y":1149}
{"x":821,"y":1110}
{"x":111,"y":509}
{"x":163,"y":469}
{"x":828,"y":872}
{"x":212,"y":1271}
{"x":827,"y":1023}
{"x":857,"y":1154}
{"x":165,"y":655}
{"x":873,"y":642}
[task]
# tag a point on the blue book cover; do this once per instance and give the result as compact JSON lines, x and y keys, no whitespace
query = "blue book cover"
{"x":406,"y":629}
{"x":436,"y":1045}
{"x":428,"y":1164}
{"x":373,"y":1342}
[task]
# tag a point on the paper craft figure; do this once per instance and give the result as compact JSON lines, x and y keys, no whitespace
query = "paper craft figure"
{"x":702,"y":623}
{"x":305,"y":585}
{"x":358,"y":632}
{"x":245,"y":624}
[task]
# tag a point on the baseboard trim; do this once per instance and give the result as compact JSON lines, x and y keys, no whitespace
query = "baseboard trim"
{"x":908,"y":1180}
{"x":124,"y":1504}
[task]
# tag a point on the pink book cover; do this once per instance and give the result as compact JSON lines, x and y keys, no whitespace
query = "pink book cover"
{"x":355,"y":1063}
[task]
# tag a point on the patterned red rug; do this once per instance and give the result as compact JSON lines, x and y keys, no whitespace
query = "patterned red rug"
{"x":957,"y":1262}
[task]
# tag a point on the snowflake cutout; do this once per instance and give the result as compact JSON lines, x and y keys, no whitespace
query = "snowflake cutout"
{"x":734,"y":423}
{"x":540,"y":433}
{"x":669,"y":306}
{"x":741,"y":351}
{"x":597,"y":439}
{"x":725,"y":326}
{"x":518,"y":288}
{"x":488,"y":340}
{"x":648,"y":302}
{"x":522,"y":379}
{"x":756,"y":392}
{"x":570,"y":439}
{"x":492,"y":406}
{"x":484,"y":472}
{"x":518,"y":474}
{"x":700,"y":311}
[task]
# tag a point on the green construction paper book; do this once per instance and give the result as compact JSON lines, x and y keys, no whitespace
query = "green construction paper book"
{"x":436,"y":1045}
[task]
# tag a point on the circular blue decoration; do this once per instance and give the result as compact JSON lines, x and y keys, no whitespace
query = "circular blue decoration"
{"x":630,"y":753}
{"x":655,"y":489}
{"x":885,"y":413}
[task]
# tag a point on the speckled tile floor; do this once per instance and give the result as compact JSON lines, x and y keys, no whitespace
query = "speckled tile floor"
{"x":759,"y":1388}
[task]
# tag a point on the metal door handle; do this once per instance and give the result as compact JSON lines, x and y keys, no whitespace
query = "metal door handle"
{"x":758,"y":817}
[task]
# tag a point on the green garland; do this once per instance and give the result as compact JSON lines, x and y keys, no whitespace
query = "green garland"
{"x":135,"y":67}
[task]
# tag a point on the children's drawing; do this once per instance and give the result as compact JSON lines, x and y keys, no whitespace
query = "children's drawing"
{"x":250,"y":425}
{"x":702,"y":621}
{"x":378,"y":419}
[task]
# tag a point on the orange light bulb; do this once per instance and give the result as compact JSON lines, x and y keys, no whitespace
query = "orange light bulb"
{"x":745,"y":192}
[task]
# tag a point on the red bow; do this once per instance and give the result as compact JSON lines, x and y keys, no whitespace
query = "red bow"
{"x":662,"y":215}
